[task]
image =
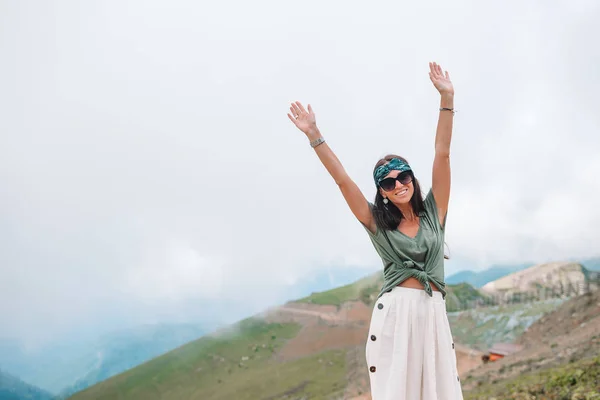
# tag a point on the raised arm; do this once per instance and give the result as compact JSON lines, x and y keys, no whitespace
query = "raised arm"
{"x":306,"y":122}
{"x":441,"y":162}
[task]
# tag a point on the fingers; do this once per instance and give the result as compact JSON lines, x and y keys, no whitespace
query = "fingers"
{"x":298,"y":109}
{"x":437,"y":72}
{"x":300,"y":106}
{"x":295,"y":109}
{"x":298,"y":114}
{"x":294,"y":112}
{"x":293,"y":119}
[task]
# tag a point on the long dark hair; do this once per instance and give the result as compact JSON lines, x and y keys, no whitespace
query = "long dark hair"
{"x":388,"y":216}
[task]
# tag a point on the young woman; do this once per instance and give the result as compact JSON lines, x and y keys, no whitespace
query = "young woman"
{"x":410,"y":350}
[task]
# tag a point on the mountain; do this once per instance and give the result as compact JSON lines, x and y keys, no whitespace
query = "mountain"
{"x":309,"y":348}
{"x":480,"y":328}
{"x":65,"y":368}
{"x":592,"y":264}
{"x":478,"y":279}
{"x":71,"y":364}
{"x":118,"y":352}
{"x":469,"y":277}
{"x":313,"y":348}
{"x":560,"y":358}
{"x":568,"y":275}
{"x":12,"y":388}
{"x":52,"y":367}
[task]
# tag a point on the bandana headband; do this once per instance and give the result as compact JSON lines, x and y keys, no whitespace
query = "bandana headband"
{"x":395,"y":164}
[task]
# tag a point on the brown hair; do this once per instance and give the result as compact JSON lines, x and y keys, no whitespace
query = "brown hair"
{"x":388,"y":216}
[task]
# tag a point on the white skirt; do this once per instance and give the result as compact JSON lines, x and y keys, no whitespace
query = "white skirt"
{"x":410,"y":351}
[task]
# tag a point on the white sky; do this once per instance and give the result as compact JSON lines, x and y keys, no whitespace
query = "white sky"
{"x":148,"y":167}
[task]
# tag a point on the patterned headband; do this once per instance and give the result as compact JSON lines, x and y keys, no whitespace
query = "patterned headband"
{"x":395,"y":164}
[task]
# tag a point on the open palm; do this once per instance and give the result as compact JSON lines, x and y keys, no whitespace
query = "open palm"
{"x":304,"y":120}
{"x":440,"y":80}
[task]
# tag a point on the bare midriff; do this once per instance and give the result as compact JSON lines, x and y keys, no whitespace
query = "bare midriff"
{"x":414,"y":283}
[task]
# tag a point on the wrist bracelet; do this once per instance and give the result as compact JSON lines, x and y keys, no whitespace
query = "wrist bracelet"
{"x":448,"y":109}
{"x":317,"y":142}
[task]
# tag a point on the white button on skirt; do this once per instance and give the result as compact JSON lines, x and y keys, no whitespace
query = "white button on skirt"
{"x":410,"y":351}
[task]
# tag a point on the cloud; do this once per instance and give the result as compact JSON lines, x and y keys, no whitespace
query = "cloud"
{"x":148,"y":166}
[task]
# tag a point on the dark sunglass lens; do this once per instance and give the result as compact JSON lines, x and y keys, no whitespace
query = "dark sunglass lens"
{"x":388,"y":183}
{"x":405,"y":178}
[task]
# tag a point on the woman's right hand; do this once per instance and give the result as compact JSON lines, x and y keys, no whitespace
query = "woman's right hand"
{"x":304,"y":120}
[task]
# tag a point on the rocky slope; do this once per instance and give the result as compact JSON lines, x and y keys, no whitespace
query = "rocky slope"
{"x":550,"y":275}
{"x":569,"y":334}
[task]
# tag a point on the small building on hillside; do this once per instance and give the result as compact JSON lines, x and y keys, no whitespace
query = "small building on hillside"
{"x":500,"y":350}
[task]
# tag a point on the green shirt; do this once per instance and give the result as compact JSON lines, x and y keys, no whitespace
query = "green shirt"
{"x":421,"y":257}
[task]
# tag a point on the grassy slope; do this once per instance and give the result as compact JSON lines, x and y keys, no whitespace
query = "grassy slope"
{"x":362,"y":289}
{"x":459,"y":295}
{"x":577,"y":380}
{"x":367,"y":289}
{"x":236,"y":365}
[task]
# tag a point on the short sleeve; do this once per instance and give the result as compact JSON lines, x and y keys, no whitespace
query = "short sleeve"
{"x":432,"y":209}
{"x":377,"y":235}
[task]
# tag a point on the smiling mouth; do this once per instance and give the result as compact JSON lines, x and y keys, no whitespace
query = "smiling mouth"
{"x":402,"y":192}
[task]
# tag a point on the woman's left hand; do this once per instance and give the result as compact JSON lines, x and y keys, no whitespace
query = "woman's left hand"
{"x":440,"y":80}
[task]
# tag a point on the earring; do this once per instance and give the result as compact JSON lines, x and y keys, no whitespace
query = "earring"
{"x":385,"y":200}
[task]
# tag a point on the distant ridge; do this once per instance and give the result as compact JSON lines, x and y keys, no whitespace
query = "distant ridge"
{"x":13,"y":388}
{"x":478,"y":279}
{"x":547,"y":275}
{"x":593,"y":264}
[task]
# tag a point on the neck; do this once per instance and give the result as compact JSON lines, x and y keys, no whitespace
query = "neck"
{"x":407,"y":211}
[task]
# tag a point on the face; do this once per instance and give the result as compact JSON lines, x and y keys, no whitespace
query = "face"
{"x":400,"y":193}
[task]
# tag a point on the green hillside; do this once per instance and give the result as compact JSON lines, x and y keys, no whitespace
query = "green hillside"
{"x":237,"y":364}
{"x":364,"y":289}
{"x":459,"y":296}
{"x":367,"y":289}
{"x":576,"y":380}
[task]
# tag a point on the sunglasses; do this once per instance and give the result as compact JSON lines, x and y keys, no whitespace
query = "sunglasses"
{"x":389,"y":184}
